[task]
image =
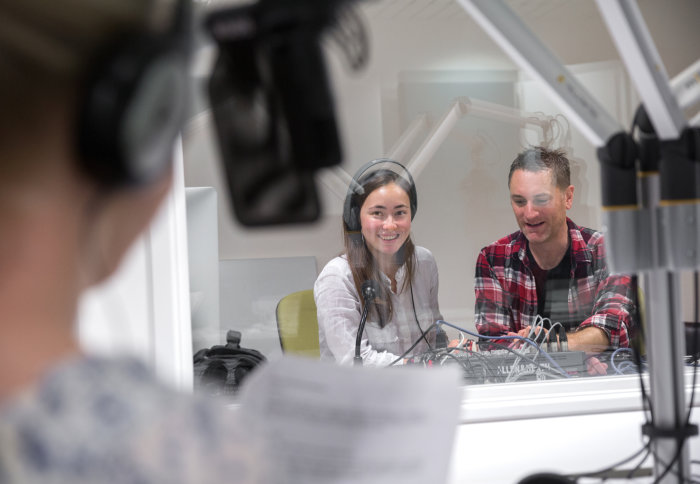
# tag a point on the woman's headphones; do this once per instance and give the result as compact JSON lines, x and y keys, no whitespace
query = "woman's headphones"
{"x":351,"y":210}
{"x":136,"y":104}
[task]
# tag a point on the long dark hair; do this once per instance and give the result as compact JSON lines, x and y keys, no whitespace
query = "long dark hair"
{"x":362,"y":263}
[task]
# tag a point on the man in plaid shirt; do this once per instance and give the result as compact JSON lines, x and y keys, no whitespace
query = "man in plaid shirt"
{"x":551,"y":266}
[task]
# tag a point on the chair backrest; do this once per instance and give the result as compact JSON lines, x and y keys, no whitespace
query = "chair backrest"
{"x":297,"y":324}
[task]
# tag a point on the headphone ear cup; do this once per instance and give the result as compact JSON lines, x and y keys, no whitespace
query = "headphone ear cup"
{"x":355,"y":224}
{"x":354,"y":227}
{"x":133,"y":112}
{"x":349,"y":214}
{"x":351,"y":217}
{"x":413,"y":196}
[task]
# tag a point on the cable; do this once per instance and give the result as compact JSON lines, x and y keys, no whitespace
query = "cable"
{"x":637,"y":355}
{"x":612,"y":467}
{"x":422,"y":333}
{"x":696,"y":337}
{"x":515,"y":352}
{"x":405,"y":353}
{"x":680,"y":442}
{"x":462,"y":362}
{"x":668,"y":469}
{"x":538,"y":323}
{"x":528,"y":341}
{"x":496,"y":371}
{"x":488,"y":368}
{"x":624,"y":366}
{"x":634,"y":470}
{"x":415,"y":316}
{"x":520,"y":355}
{"x":615,"y":353}
{"x":534,"y":334}
{"x":486,"y":362}
{"x":684,"y":439}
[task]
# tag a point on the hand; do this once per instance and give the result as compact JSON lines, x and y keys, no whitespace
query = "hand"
{"x":590,"y":339}
{"x":596,"y":367}
{"x":524,"y":333}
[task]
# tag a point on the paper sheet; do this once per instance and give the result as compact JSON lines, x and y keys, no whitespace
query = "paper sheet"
{"x":326,"y":424}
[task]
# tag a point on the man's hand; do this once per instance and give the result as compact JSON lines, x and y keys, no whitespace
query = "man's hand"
{"x":524,"y":333}
{"x":596,"y":367}
{"x":590,"y":339}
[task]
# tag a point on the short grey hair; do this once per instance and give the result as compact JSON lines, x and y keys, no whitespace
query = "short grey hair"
{"x":539,"y":158}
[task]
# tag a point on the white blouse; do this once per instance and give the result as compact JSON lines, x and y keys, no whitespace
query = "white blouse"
{"x":339,"y":309}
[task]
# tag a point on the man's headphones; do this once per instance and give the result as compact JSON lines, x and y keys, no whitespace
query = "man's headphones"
{"x":351,"y":209}
{"x":136,"y":104}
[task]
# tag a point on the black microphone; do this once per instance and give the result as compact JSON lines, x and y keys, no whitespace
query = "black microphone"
{"x":370,"y":289}
{"x":273,"y":106}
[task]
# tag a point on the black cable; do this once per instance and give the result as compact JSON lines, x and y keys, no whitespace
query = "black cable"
{"x":405,"y":353}
{"x":696,"y":305}
{"x":681,"y":440}
{"x":631,"y":474}
{"x":688,"y":480}
{"x":415,"y":316}
{"x":484,"y":359}
{"x":612,"y":467}
{"x":447,"y":352}
{"x":696,"y":335}
{"x":488,"y":371}
{"x":637,"y":354}
{"x":461,"y":362}
{"x":646,"y":403}
{"x":684,"y":438}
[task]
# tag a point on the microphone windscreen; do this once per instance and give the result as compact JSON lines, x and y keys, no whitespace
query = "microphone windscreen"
{"x":370,"y":289}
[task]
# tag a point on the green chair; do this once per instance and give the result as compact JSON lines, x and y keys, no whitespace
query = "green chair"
{"x":297,"y":324}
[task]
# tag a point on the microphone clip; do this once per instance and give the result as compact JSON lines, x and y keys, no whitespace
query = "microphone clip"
{"x":370,"y":289}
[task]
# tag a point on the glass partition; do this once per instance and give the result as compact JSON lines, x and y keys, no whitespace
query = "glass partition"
{"x":440,"y":98}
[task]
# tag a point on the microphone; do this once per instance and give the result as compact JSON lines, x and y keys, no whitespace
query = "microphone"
{"x":370,"y":289}
{"x":620,"y":217}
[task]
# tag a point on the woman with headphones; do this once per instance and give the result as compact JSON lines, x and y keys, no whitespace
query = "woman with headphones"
{"x":91,"y":94}
{"x":379,"y":253}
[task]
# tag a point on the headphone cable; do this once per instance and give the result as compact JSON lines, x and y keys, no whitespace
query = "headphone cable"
{"x":415,"y":316}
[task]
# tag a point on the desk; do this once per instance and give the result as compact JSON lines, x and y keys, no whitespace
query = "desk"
{"x":510,"y":431}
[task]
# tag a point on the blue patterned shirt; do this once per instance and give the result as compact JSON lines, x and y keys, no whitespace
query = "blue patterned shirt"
{"x":96,"y":420}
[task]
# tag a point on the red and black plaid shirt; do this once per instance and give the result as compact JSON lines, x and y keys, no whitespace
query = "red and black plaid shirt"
{"x":506,"y":296}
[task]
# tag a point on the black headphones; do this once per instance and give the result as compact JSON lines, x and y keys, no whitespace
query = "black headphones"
{"x":136,"y":105}
{"x":351,"y":210}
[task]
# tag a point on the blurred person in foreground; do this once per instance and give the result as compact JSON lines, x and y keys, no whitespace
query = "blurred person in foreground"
{"x":67,"y":217}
